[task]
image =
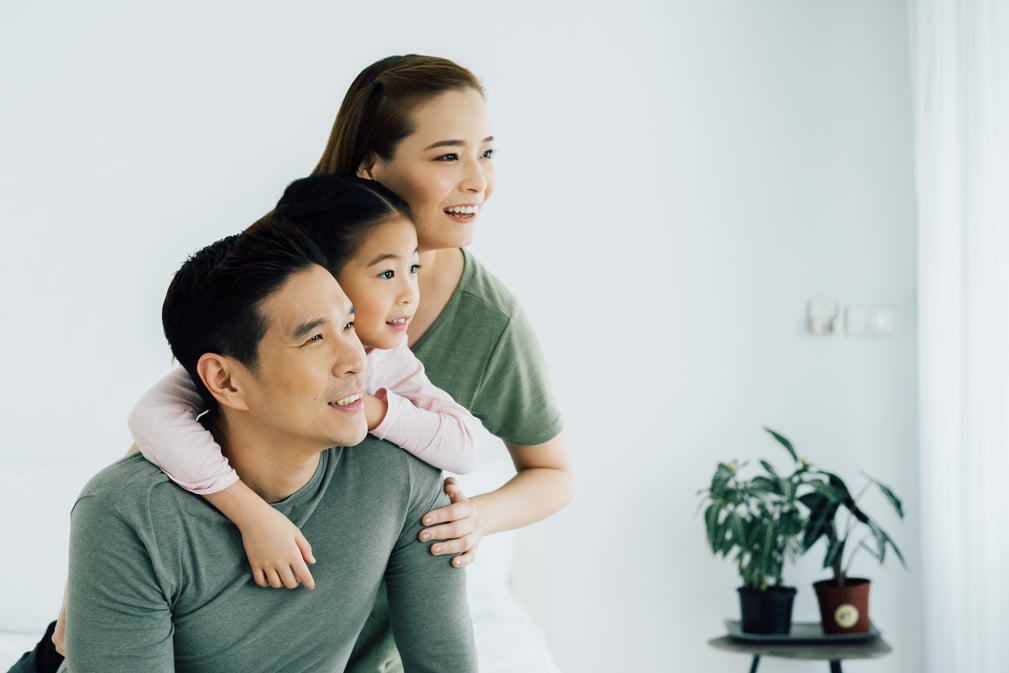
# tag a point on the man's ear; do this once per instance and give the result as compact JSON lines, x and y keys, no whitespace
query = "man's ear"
{"x":223,"y":377}
{"x":366,"y":169}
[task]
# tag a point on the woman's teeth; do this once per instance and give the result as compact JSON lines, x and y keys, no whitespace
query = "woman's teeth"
{"x":346,"y":400}
{"x":463,"y":210}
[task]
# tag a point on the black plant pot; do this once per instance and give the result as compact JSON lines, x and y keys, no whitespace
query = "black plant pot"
{"x":768,"y":612}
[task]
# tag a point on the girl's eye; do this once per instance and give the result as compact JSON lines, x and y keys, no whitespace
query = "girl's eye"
{"x":348,"y":326}
{"x":488,"y":154}
{"x":451,"y":156}
{"x":388,"y":275}
{"x":414,"y":267}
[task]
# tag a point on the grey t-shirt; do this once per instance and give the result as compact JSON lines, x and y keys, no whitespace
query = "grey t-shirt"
{"x":159,"y":579}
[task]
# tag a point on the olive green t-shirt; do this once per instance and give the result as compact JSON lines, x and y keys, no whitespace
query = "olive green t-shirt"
{"x":159,"y":580}
{"x":483,"y":351}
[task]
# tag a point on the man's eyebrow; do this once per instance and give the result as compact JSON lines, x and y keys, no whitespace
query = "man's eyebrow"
{"x":454,"y":143}
{"x":309,"y":325}
{"x":304,"y":328}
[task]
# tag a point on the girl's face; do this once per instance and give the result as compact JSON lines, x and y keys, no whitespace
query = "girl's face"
{"x":444,"y":170}
{"x":381,"y":281}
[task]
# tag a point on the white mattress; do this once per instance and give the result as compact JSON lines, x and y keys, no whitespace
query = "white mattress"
{"x":507,"y":640}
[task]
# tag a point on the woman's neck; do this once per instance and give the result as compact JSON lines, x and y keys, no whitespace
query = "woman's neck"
{"x":439,"y":276}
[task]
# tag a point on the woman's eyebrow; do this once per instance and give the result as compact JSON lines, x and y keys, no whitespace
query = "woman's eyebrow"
{"x":454,"y":143}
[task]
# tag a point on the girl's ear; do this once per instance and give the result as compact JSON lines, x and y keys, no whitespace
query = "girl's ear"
{"x":223,"y":377}
{"x":366,"y":169}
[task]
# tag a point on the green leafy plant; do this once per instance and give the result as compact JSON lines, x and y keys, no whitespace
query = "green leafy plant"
{"x":836,"y":517}
{"x":758,"y":520}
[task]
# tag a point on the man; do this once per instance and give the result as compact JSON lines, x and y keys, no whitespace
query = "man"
{"x":158,"y":578}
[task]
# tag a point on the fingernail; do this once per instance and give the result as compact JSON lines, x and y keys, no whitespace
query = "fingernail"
{"x":457,"y":562}
{"x":425,"y":536}
{"x":428,"y":520}
{"x":436,"y":549}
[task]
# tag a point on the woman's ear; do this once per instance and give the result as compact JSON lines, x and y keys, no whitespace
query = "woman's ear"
{"x":366,"y":169}
{"x":222,"y":376}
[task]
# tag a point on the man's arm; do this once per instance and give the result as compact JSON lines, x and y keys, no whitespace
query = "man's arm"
{"x":117,"y":617}
{"x":427,"y":598}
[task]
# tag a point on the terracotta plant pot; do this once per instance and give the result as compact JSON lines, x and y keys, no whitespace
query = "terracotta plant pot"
{"x":844,"y":609}
{"x":766,"y":611}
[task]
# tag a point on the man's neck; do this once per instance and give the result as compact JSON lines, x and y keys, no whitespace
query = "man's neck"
{"x":263,"y":463}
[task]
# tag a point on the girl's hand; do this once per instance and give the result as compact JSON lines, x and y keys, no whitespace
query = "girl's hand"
{"x":277,"y":551}
{"x":456,"y":527}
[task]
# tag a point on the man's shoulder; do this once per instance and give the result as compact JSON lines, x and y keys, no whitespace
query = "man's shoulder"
{"x":130,"y":478}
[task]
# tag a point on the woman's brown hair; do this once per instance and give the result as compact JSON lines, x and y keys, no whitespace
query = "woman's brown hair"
{"x":377,"y":112}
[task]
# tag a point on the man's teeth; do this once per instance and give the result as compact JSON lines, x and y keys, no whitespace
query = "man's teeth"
{"x":463,"y":210}
{"x":346,"y":400}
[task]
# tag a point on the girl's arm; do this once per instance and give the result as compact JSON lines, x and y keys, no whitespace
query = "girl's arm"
{"x":420,"y":417}
{"x":544,"y":484}
{"x":166,"y":431}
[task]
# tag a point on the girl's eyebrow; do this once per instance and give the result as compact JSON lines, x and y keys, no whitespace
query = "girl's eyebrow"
{"x":454,"y":143}
{"x":382,"y":257}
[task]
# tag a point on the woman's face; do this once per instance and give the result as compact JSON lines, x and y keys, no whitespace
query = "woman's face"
{"x":381,"y":280}
{"x":444,"y":170}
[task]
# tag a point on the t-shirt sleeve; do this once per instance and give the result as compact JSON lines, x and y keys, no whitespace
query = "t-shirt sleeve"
{"x":514,"y":399}
{"x":429,"y":641}
{"x":118,"y":619}
{"x":166,"y":430}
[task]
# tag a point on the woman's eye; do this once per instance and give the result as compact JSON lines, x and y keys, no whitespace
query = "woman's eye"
{"x":348,"y":326}
{"x":451,"y":156}
{"x":414,"y":267}
{"x":488,"y":154}
{"x":388,"y":275}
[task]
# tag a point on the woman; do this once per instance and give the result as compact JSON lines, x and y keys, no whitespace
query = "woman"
{"x":419,"y":125}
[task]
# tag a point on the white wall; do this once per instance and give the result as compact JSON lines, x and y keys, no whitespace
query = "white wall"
{"x":676,"y":179}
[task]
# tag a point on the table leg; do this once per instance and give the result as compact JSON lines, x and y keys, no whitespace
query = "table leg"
{"x":756,"y":661}
{"x":835,"y":666}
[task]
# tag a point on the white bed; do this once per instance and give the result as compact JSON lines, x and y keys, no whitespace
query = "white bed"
{"x":35,"y":501}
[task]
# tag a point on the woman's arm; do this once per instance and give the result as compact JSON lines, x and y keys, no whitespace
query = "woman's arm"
{"x":544,"y":484}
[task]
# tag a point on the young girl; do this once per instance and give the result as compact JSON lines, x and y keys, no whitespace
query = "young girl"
{"x":370,"y":241}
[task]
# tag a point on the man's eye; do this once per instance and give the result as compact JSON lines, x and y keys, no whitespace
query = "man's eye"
{"x":451,"y":156}
{"x":317,"y":337}
{"x":388,"y":275}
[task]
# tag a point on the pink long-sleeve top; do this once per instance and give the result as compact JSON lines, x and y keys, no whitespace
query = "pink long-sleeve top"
{"x":421,"y":418}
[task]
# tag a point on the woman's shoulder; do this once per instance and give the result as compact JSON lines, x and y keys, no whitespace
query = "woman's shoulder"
{"x":481,"y":287}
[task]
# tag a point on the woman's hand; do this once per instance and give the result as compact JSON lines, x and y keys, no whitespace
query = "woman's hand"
{"x":455,"y":527}
{"x":60,"y":632}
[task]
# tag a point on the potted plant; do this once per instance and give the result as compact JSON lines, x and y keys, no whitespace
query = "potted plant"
{"x":759,"y":521}
{"x":836,"y":516}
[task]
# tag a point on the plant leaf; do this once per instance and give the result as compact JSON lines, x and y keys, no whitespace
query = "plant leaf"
{"x":785,"y":443}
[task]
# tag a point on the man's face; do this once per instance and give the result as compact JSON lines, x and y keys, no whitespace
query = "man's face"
{"x":305,"y":393}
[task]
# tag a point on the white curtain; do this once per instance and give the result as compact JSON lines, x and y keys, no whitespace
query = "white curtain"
{"x":960,"y":73}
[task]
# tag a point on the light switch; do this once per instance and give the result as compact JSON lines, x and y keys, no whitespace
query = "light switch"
{"x":870,"y":321}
